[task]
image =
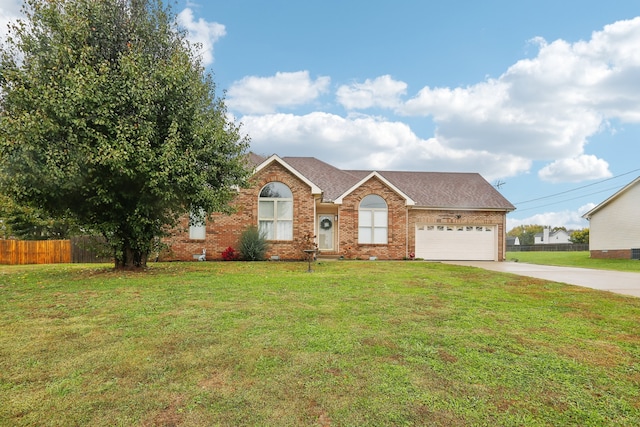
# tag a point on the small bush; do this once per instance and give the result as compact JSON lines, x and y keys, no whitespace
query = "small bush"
{"x":230,"y":254}
{"x":253,"y":245}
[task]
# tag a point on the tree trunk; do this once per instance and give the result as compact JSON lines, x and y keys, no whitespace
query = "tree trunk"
{"x":131,"y":258}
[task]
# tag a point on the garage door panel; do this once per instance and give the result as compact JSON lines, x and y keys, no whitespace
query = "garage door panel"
{"x":456,"y":242}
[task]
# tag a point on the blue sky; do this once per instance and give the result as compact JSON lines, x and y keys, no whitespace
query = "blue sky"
{"x":540,"y":96}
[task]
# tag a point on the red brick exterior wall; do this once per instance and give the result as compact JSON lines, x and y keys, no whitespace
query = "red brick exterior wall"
{"x":611,"y":254}
{"x":397,"y":224}
{"x":225,"y":230}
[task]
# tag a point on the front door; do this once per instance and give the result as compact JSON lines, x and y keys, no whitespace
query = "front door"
{"x":326,"y":227}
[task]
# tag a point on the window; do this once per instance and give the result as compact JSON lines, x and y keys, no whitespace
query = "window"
{"x":197,"y":225}
{"x":372,"y":220}
{"x":275,"y":212}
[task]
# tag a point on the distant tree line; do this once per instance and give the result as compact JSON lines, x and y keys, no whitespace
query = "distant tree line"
{"x":30,"y":223}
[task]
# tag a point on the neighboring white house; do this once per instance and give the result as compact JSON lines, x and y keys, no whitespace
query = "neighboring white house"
{"x":513,"y":241}
{"x":614,"y":225}
{"x":548,"y":237}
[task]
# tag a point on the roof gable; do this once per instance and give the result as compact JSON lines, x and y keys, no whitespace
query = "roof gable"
{"x":374,"y":174}
{"x":274,"y":158}
{"x":612,"y":198}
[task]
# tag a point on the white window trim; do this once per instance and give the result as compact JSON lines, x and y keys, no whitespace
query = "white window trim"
{"x":276,"y":201}
{"x":373,"y":226}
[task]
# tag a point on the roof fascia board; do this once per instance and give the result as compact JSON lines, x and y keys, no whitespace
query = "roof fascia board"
{"x":617,"y":194}
{"x":275,"y":158}
{"x":408,"y":200}
{"x":453,"y":208}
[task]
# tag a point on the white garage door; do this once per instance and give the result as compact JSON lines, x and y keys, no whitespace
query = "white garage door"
{"x":456,"y":242}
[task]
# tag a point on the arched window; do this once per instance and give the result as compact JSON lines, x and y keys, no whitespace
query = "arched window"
{"x":275,"y":212}
{"x":372,"y":220}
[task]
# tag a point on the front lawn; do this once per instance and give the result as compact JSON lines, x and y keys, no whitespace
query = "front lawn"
{"x":354,"y":343}
{"x":575,"y":259}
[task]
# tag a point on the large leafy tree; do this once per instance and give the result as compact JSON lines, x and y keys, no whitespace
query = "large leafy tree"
{"x":29,"y":223}
{"x":580,"y":236}
{"x":108,"y":116}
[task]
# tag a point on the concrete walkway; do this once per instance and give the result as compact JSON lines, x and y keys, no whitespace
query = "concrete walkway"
{"x":625,"y":283}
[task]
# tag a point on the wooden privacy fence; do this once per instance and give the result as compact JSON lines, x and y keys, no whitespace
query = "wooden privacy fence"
{"x":35,"y":251}
{"x":79,"y":249}
{"x":89,"y":249}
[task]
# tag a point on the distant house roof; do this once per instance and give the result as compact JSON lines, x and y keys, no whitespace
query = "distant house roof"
{"x":443,"y":190}
{"x":623,"y":190}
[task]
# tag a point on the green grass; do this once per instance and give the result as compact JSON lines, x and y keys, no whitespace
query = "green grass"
{"x":351,"y":344}
{"x":575,"y":259}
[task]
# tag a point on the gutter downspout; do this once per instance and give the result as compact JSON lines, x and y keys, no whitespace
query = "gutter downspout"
{"x":315,"y":220}
{"x":406,"y":239}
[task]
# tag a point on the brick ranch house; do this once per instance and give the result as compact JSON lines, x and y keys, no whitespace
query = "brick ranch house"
{"x":355,"y":214}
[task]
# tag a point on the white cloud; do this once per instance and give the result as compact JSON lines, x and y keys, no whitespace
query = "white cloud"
{"x":514,"y":114}
{"x":581,"y":168}
{"x":365,"y":142}
{"x":263,"y":95}
{"x":570,"y":219}
{"x":585,"y":208}
{"x":479,"y":102}
{"x":9,"y":12}
{"x":380,"y":92}
{"x":546,"y":107}
{"x":202,"y":34}
{"x":540,"y":109}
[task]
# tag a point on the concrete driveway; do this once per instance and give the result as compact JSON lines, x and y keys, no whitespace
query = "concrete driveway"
{"x":613,"y":281}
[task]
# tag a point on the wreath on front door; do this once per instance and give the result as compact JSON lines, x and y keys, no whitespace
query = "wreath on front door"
{"x":325,"y":224}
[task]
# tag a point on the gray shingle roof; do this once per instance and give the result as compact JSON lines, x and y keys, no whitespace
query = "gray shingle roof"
{"x":331,"y":180}
{"x":255,"y":159}
{"x":446,"y":190}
